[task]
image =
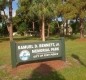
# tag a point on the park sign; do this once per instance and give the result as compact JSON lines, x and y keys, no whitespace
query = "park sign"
{"x":37,"y":51}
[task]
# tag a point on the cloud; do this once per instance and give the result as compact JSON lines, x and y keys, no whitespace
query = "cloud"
{"x":14,"y":13}
{"x":7,"y":12}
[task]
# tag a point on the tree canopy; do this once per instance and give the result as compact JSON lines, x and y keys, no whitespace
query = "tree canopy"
{"x":45,"y":10}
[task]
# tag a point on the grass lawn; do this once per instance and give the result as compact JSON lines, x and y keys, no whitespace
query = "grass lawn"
{"x":75,"y":63}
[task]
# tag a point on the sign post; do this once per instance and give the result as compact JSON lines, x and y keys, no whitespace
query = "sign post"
{"x":37,"y":51}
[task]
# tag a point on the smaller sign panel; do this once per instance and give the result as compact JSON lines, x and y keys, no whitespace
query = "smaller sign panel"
{"x":37,"y":51}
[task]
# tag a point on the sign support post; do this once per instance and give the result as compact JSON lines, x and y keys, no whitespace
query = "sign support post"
{"x":13,"y":54}
{"x":63,"y":47}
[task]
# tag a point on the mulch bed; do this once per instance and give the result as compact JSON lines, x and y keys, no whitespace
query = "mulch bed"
{"x":42,"y":67}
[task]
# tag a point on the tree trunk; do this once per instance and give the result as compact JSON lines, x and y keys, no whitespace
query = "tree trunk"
{"x":81,"y":29}
{"x":43,"y":29}
{"x":40,"y":29}
{"x":33,"y":26}
{"x":9,"y":27}
{"x":10,"y":30}
{"x":48,"y":34}
{"x":10,"y":17}
{"x":63,"y":29}
{"x":66,"y":27}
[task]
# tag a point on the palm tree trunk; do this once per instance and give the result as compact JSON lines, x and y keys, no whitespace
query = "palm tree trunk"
{"x":43,"y":29}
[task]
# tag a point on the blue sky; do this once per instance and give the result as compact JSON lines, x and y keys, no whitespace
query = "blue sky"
{"x":14,"y":6}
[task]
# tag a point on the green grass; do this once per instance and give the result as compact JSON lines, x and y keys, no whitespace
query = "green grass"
{"x":75,"y":60}
{"x":75,"y":52}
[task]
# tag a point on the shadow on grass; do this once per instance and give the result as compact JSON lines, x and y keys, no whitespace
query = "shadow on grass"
{"x":71,"y":37}
{"x":19,"y":38}
{"x":26,"y":38}
{"x":4,"y":39}
{"x":78,"y":59}
{"x":45,"y":72}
